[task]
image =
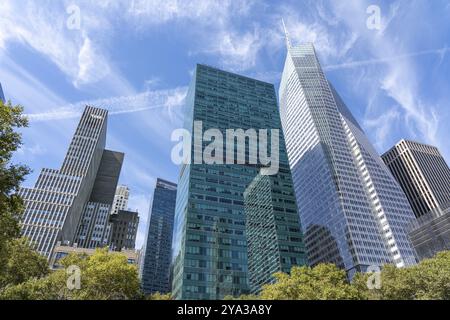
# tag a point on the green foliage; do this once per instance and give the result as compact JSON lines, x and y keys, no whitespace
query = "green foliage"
{"x":159,"y":296}
{"x":52,"y":287}
{"x":11,"y":206}
{"x":104,"y":276}
{"x":243,"y":297}
{"x":430,"y":279}
{"x":23,"y":263}
{"x":324,"y":282}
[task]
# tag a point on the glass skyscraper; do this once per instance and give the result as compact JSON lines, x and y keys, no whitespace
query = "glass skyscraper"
{"x":55,"y":206}
{"x":353,"y":212}
{"x":158,"y":245}
{"x":2,"y":96}
{"x":211,"y":256}
{"x":272,"y":231}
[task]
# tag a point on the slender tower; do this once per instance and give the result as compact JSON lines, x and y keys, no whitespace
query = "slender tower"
{"x":352,"y":210}
{"x":158,"y":244}
{"x":2,"y":96}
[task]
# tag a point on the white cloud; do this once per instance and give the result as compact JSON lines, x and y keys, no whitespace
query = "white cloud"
{"x":42,"y":26}
{"x":395,"y":73}
{"x":381,"y":126}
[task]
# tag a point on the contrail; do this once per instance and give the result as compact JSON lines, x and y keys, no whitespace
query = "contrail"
{"x":117,"y":105}
{"x":362,"y":63}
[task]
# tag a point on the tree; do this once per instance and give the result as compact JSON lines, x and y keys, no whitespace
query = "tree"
{"x":103,"y":276}
{"x":159,"y":296}
{"x":11,"y":206}
{"x":430,"y":279}
{"x":52,"y":287}
{"x":23,"y":263}
{"x":243,"y":297}
{"x":323,"y":282}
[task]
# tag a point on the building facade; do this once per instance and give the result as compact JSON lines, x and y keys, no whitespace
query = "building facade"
{"x":273,"y":244}
{"x":157,"y":251}
{"x":54,"y":207}
{"x":353,"y":212}
{"x":423,"y":175}
{"x":121,"y":199}
{"x":2,"y":96}
{"x":430,"y":233}
{"x":210,"y":244}
{"x":124,"y":227}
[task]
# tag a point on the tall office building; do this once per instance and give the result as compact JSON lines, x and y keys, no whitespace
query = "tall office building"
{"x":54,"y":207}
{"x":424,"y":176}
{"x":210,"y":242}
{"x":272,"y":246}
{"x":158,"y":245}
{"x":352,"y":210}
{"x":121,"y":199}
{"x":94,"y":227}
{"x":124,"y":227}
{"x":2,"y":96}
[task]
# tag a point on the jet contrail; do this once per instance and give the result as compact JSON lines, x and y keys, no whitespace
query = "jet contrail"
{"x":362,"y":63}
{"x":117,"y":105}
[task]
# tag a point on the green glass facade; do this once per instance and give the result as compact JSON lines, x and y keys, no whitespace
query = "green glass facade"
{"x":210,"y":243}
{"x":274,"y":241}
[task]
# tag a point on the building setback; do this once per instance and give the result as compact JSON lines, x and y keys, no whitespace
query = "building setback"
{"x":124,"y":230}
{"x":424,"y":176}
{"x":54,"y":207}
{"x":210,"y":242}
{"x":353,"y":212}
{"x":94,"y":227}
{"x":158,"y":245}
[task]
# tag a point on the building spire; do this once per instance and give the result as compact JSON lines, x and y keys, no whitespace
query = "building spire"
{"x":286,"y":34}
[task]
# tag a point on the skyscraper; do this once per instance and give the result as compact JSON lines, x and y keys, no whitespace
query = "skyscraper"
{"x":124,"y":227}
{"x":353,"y":212}
{"x":210,"y":242}
{"x":121,"y":199}
{"x":2,"y":96}
{"x":158,"y":244}
{"x":54,"y":207}
{"x":94,"y":227}
{"x":272,"y":246}
{"x":424,"y":176}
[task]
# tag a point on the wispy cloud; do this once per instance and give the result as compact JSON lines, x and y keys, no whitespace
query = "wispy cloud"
{"x":43,"y":27}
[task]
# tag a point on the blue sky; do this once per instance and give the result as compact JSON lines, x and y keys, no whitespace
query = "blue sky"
{"x":136,"y":59}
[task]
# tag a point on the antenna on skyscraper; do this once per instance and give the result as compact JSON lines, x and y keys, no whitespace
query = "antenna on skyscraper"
{"x":286,"y":34}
